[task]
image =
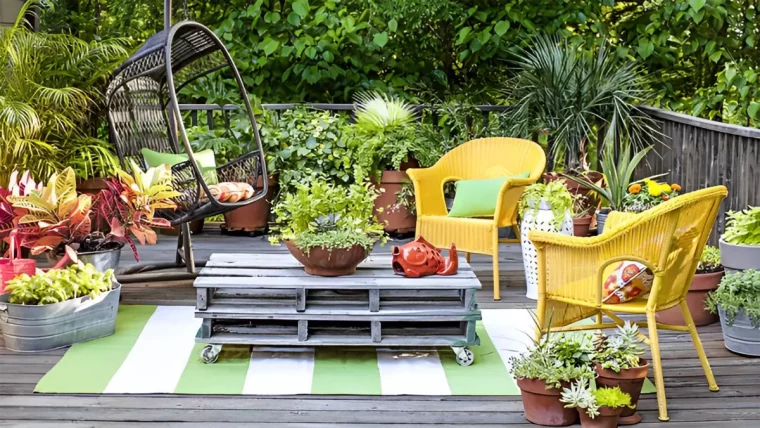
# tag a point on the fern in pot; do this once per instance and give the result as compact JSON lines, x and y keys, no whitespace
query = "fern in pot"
{"x":330,"y":229}
{"x":544,"y":207}
{"x":740,"y":243}
{"x":737,"y":301}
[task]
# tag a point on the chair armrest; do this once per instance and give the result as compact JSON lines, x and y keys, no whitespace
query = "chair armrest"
{"x":508,"y":199}
{"x":428,"y":190}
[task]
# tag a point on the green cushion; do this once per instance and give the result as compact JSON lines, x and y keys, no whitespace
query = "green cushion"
{"x":205,"y":159}
{"x":477,"y":198}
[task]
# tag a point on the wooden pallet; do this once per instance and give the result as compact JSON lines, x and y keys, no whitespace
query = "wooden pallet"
{"x":268,"y":299}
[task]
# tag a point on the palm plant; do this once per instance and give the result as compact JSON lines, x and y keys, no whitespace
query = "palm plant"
{"x":575,"y":94}
{"x":51,"y":101}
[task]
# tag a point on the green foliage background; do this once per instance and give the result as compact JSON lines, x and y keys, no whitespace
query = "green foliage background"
{"x":701,"y":53}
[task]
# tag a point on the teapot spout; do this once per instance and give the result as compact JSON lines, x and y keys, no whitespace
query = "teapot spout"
{"x":450,"y":263}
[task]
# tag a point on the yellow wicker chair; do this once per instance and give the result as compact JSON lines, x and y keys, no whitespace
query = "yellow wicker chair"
{"x":477,"y":159}
{"x":668,"y":239}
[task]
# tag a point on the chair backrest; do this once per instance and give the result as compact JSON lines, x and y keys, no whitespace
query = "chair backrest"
{"x":492,"y":157}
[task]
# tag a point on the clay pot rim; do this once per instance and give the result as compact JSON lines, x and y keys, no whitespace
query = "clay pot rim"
{"x":611,"y":411}
{"x":586,"y":219}
{"x":633,"y":373}
{"x":707,"y":281}
{"x":538,"y":386}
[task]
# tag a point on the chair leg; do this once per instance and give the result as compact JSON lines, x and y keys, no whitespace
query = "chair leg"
{"x":188,"y":247}
{"x":496,"y":273}
{"x":654,"y":344}
{"x":467,"y":257}
{"x":698,"y":345}
{"x":180,"y":244}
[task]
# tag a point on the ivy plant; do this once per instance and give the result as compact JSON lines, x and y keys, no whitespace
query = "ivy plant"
{"x":553,"y":193}
{"x":738,"y":291}
{"x":743,"y":227}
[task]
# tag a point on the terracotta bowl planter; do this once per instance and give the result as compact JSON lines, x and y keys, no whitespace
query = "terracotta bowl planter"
{"x":252,"y":217}
{"x":630,"y":381}
{"x":326,"y":262}
{"x":701,"y":285}
{"x":581,"y":225}
{"x":542,"y":406}
{"x":607,"y":418}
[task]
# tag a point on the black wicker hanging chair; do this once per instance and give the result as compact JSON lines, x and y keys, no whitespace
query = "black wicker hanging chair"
{"x":144,"y":112}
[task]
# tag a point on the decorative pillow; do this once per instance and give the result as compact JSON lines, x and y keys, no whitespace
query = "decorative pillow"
{"x":477,"y":198}
{"x":205,"y":159}
{"x":625,"y":282}
{"x":231,"y":192}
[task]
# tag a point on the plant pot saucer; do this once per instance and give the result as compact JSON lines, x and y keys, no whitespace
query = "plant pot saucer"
{"x":630,"y":420}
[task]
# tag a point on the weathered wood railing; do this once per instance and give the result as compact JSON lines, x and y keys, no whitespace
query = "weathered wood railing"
{"x":697,"y":152}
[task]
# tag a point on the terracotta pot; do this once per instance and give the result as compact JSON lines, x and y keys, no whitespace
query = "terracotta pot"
{"x":575,"y":188}
{"x":196,"y":227}
{"x":255,"y":216}
{"x":700,"y":286}
{"x":91,"y":186}
{"x":325,"y":262}
{"x":630,"y":381}
{"x":581,"y":226}
{"x":607,"y":418}
{"x":542,"y":406}
{"x":396,"y":218}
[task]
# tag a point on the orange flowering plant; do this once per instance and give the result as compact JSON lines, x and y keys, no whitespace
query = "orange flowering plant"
{"x":647,"y":194}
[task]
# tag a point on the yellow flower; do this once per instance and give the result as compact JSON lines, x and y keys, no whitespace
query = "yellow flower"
{"x":634,"y":188}
{"x":676,"y":187}
{"x":654,"y":189}
{"x":666,"y":187}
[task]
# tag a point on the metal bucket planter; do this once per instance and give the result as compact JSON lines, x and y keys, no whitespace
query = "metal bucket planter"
{"x":739,"y":257}
{"x":102,"y":260}
{"x":36,"y":328}
{"x":740,"y":337}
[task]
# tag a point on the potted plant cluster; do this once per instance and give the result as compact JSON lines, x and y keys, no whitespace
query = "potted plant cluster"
{"x":328,"y":228}
{"x":740,"y":243}
{"x":706,"y":279}
{"x":597,"y":407}
{"x":57,"y":308}
{"x":737,"y":301}
{"x":545,"y":207}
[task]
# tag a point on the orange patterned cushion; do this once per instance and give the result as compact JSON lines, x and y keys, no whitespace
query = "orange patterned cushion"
{"x":625,"y":282}
{"x":231,"y":192}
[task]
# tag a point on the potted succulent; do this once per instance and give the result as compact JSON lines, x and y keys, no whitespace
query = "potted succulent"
{"x":706,"y":279}
{"x":544,"y":207}
{"x":737,"y":300}
{"x":581,"y":215}
{"x":599,"y":407}
{"x":58,"y":308}
{"x":618,"y":363}
{"x":330,"y":229}
{"x":740,"y":243}
{"x":551,"y":364}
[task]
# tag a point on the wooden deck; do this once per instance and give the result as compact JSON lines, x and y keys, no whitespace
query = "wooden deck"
{"x":690,"y":403}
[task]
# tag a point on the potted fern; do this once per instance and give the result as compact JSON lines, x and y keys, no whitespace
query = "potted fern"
{"x":737,"y":301}
{"x":706,"y":279}
{"x":598,"y":407}
{"x":618,"y":363}
{"x":740,"y":243}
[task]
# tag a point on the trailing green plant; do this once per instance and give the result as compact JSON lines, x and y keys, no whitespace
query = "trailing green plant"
{"x":738,"y":291}
{"x":743,"y":227}
{"x":405,"y":198}
{"x":621,"y":351}
{"x":555,"y":359}
{"x":51,"y":101}
{"x":581,"y":396}
{"x":553,"y":193}
{"x":322,"y":214}
{"x":709,"y":262}
{"x":59,"y":285}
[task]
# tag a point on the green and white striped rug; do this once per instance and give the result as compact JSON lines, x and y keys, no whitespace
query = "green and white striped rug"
{"x":154,"y":351}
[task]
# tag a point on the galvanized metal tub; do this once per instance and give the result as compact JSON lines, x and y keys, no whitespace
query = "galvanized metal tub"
{"x":739,"y":257}
{"x":740,"y":337}
{"x":102,"y":260}
{"x":33,"y":328}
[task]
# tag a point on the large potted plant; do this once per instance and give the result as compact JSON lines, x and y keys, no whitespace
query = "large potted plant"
{"x":330,"y":229}
{"x":544,"y":207}
{"x":706,"y":279}
{"x":598,"y":407}
{"x":58,"y":308}
{"x":618,"y":363}
{"x":737,"y":301}
{"x":740,"y":243}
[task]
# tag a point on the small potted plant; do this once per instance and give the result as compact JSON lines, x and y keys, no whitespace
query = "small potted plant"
{"x":737,"y":300}
{"x":581,"y":215}
{"x":545,"y":207}
{"x":740,"y":243}
{"x":58,"y":308}
{"x":618,"y":363}
{"x":599,"y":407}
{"x":706,"y":279}
{"x":330,"y":229}
{"x":550,"y":365}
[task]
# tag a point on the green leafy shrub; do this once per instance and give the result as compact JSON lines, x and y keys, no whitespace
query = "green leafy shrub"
{"x":321,"y":214}
{"x":710,"y":260}
{"x":554,"y":193}
{"x":621,"y":351}
{"x":556,"y":359}
{"x":580,"y":395}
{"x":58,"y":285}
{"x":738,"y":291}
{"x":743,"y":227}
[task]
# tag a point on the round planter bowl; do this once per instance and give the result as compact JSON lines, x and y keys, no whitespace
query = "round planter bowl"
{"x":739,"y":257}
{"x":630,"y":381}
{"x":701,"y":285}
{"x":607,"y":418}
{"x":329,"y":262}
{"x":740,"y":337}
{"x":581,"y":225}
{"x":542,"y":406}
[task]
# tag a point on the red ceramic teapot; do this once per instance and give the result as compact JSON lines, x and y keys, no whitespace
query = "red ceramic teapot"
{"x":420,"y":258}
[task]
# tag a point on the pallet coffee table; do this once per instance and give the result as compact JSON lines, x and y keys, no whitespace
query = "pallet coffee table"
{"x":269,"y":300}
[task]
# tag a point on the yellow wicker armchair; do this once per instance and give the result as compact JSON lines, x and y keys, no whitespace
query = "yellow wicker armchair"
{"x":477,"y":159}
{"x":668,"y":239}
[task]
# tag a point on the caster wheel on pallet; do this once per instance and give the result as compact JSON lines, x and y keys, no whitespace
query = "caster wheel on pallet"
{"x":465,"y":357}
{"x":210,"y":353}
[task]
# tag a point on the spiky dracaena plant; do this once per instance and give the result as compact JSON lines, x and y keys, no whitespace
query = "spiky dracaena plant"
{"x":377,"y":112}
{"x":51,"y":100}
